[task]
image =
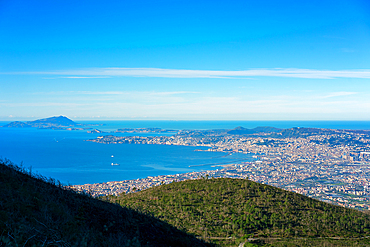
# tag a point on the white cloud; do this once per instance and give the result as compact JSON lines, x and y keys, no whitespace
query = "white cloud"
{"x":180,"y":73}
{"x":338,"y":94}
{"x":84,"y":77}
{"x":172,"y":93}
{"x":41,"y":104}
{"x":100,"y":92}
{"x":136,"y":93}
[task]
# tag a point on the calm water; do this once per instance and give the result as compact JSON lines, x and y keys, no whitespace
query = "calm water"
{"x":178,"y":125}
{"x":65,"y":155}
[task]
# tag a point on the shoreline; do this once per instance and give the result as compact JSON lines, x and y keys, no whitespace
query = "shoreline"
{"x":339,"y":191}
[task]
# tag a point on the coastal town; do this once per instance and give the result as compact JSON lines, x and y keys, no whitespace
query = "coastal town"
{"x":325,"y":164}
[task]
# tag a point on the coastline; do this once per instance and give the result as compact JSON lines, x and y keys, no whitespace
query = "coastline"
{"x":332,"y":166}
{"x":257,"y":172}
{"x":135,"y":185}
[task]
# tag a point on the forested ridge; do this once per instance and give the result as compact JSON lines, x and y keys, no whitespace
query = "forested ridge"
{"x":229,"y":211}
{"x":39,"y":211}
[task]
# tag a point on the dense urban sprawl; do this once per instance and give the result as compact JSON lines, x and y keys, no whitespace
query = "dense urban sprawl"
{"x":329,"y":165}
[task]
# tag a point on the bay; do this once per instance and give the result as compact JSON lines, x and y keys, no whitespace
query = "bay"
{"x":227,"y":124}
{"x":66,"y":156}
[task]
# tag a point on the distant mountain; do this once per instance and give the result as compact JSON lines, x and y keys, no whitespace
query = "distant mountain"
{"x":36,"y":211}
{"x":244,"y":131}
{"x":52,"y":122}
{"x":305,"y":132}
{"x":60,"y":121}
{"x":17,"y":124}
{"x":283,"y":133}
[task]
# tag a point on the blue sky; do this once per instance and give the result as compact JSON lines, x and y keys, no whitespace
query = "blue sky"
{"x":185,"y":60}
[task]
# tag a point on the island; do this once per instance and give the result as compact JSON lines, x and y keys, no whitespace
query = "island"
{"x":56,"y":122}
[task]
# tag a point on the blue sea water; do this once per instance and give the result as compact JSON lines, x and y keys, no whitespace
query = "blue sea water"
{"x":179,"y":125}
{"x":66,"y":156}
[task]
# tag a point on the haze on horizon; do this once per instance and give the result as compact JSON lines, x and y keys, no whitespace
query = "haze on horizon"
{"x":185,"y":60}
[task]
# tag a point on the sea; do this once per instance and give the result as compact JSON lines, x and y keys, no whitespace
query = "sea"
{"x":67,"y":156}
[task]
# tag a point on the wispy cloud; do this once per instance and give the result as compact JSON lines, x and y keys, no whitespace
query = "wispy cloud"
{"x":172,"y":93}
{"x":338,"y":94}
{"x":84,"y":77}
{"x":146,"y":93}
{"x":41,"y":104}
{"x":81,"y":93}
{"x":100,"y":92}
{"x":180,"y":73}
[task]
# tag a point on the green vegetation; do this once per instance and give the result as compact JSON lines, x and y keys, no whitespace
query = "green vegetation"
{"x":35,"y":211}
{"x":229,"y":211}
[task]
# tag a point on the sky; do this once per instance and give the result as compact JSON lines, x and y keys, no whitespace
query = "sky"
{"x":185,"y":60}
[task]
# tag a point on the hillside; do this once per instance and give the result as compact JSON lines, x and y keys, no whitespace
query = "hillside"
{"x":60,"y":121}
{"x":244,"y":131}
{"x":35,"y":211}
{"x":228,"y":211}
{"x":51,"y":122}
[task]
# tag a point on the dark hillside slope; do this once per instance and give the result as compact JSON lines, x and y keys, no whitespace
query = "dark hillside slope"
{"x":220,"y":209}
{"x":35,"y":211}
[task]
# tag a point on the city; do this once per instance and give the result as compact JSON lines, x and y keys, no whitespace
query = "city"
{"x":325,"y":164}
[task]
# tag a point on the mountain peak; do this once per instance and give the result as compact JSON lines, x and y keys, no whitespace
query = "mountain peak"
{"x":56,"y":121}
{"x":51,"y":122}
